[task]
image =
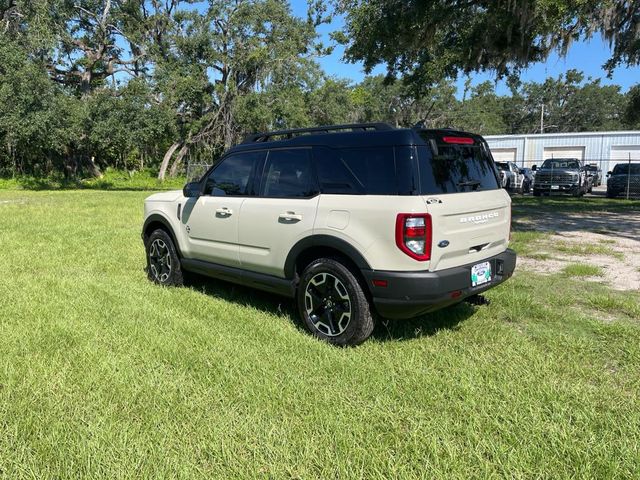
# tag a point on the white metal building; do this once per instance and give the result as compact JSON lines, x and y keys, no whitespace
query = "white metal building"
{"x":605,"y":148}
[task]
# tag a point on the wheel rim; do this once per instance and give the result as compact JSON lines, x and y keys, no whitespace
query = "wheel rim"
{"x":160,"y":260}
{"x":328,"y":304}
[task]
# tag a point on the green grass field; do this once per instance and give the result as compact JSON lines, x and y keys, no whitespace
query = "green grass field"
{"x":105,"y":375}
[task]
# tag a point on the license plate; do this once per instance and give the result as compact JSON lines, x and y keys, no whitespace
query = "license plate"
{"x":480,"y":273}
{"x":555,"y":187}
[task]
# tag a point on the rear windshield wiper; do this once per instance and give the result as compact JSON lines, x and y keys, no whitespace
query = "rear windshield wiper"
{"x":470,"y":183}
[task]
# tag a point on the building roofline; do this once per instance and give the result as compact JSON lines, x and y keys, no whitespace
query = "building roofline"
{"x":555,"y":135}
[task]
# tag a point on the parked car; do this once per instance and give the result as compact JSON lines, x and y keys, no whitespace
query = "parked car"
{"x":511,"y":176}
{"x":622,"y":176}
{"x":561,"y":175}
{"x":502,"y":178}
{"x":527,"y":181}
{"x":354,"y":222}
{"x":595,"y":172}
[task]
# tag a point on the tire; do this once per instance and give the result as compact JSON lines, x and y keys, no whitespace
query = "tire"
{"x":611,"y":194}
{"x":163,"y":263}
{"x":327,"y":287}
{"x":536,"y":193}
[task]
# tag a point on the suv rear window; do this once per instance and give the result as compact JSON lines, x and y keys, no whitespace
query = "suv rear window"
{"x":455,"y":168}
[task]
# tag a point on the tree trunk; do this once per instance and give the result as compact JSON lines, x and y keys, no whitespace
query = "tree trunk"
{"x":174,"y":168}
{"x":166,"y":159}
{"x":87,"y":166}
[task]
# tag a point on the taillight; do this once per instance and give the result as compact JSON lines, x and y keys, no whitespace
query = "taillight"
{"x":413,"y":235}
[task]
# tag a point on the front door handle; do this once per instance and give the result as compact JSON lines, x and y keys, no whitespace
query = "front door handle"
{"x":224,"y":212}
{"x":290,"y":217}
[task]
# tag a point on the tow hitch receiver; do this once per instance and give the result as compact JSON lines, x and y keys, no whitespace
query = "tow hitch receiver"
{"x":477,"y":300}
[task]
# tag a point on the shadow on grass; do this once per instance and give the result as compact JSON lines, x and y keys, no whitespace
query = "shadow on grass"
{"x":427,"y":325}
{"x":385,"y":330}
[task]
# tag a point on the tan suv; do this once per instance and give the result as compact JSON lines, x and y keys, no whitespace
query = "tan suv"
{"x":352,"y":221}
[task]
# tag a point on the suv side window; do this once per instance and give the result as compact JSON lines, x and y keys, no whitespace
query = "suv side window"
{"x":334,"y":176}
{"x":231,"y":176}
{"x":353,"y":171}
{"x":374,"y":168}
{"x":288,"y":174}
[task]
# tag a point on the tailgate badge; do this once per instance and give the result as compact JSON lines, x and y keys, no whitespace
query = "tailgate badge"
{"x":484,"y":218}
{"x":443,"y":243}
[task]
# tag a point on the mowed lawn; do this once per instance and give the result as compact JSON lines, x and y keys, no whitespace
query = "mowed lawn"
{"x":105,"y":375}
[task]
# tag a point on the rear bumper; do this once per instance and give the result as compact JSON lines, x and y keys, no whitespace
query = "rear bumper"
{"x":409,"y":294}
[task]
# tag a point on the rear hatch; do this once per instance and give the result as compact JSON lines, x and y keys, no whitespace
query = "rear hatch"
{"x":470,"y":212}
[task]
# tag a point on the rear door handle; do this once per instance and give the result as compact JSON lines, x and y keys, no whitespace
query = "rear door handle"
{"x":290,"y":217}
{"x":224,"y":212}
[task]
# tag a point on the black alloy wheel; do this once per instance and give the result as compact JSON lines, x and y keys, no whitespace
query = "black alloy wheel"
{"x":333,"y":303}
{"x":328,"y":304}
{"x":163,"y":263}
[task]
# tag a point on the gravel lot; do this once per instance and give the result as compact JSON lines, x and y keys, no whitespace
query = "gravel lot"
{"x":609,"y":240}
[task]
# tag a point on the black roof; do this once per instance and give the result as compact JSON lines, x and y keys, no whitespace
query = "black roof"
{"x":344,"y":136}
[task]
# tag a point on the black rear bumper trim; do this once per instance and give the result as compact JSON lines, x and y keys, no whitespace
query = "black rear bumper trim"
{"x":410,"y":294}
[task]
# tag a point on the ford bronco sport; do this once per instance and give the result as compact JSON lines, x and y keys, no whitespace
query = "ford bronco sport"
{"x":352,"y":221}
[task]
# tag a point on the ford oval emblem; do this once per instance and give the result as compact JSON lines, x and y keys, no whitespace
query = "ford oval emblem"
{"x":443,"y":243}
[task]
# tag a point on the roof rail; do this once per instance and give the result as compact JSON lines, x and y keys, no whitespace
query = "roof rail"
{"x":266,"y":136}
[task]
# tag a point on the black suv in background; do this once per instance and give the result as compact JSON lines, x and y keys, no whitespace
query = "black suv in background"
{"x":623,"y":175}
{"x":561,"y":175}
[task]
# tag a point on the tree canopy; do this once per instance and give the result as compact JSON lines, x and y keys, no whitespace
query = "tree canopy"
{"x":133,"y":84}
{"x":427,"y":40}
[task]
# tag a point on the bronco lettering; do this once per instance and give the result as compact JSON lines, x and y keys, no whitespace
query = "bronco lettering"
{"x":484,"y":218}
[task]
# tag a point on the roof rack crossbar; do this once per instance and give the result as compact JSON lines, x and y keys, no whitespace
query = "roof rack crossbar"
{"x":266,"y":136}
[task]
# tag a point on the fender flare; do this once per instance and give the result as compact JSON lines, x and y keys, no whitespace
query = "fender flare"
{"x":158,"y":218}
{"x":328,"y":241}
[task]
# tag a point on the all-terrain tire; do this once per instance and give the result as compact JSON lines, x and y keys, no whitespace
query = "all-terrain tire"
{"x":332,"y":303}
{"x":163,"y":262}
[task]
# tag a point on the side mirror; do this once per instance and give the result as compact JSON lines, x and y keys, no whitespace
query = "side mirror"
{"x":191,"y":190}
{"x":534,"y":168}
